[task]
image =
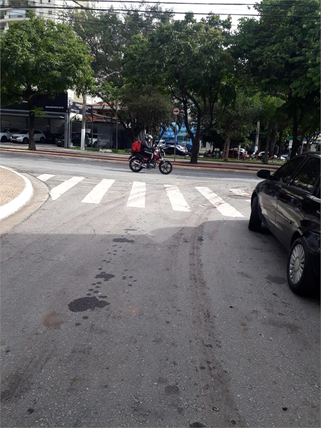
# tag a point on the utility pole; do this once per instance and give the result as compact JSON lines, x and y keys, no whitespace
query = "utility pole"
{"x":257,"y":136}
{"x":116,"y":125}
{"x":176,"y":111}
{"x":83,"y":123}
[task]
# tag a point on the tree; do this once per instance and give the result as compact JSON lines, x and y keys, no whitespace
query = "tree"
{"x":188,"y":59}
{"x":281,"y":52}
{"x":235,"y":117}
{"x":108,"y":34}
{"x":270,"y":115}
{"x":40,"y":58}
{"x":145,"y":108}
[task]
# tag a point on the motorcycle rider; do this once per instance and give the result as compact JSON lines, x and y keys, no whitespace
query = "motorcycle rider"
{"x":147,"y":148}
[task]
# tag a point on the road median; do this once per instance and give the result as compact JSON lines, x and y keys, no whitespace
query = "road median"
{"x":241,"y":166}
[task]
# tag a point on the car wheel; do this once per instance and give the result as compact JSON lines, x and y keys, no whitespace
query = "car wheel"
{"x":255,"y":221}
{"x":4,"y":139}
{"x":299,"y":268}
{"x":42,"y":140}
{"x":25,"y":140}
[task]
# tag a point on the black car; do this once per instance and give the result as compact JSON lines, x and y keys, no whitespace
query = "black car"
{"x":76,"y":138}
{"x":169,"y":149}
{"x":288,"y":203}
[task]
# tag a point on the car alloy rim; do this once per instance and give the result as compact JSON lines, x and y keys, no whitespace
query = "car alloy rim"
{"x":297,"y":260}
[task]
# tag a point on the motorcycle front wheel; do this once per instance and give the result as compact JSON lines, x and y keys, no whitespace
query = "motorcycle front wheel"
{"x":165,"y":167}
{"x":135,"y":165}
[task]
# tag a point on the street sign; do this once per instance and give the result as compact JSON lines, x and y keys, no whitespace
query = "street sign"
{"x":176,"y":111}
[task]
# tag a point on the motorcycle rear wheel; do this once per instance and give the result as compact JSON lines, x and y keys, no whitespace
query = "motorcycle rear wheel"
{"x":135,"y":165}
{"x":165,"y":167}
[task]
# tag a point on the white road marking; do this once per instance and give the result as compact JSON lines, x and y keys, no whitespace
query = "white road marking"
{"x":176,"y":198}
{"x":63,"y":187}
{"x":45,"y":177}
{"x":223,"y":207}
{"x":98,"y":192}
{"x":137,"y":194}
{"x":239,"y":192}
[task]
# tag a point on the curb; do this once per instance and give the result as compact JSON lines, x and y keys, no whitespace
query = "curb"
{"x":19,"y":201}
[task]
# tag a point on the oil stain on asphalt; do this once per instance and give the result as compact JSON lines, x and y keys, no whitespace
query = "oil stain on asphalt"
{"x":86,"y":303}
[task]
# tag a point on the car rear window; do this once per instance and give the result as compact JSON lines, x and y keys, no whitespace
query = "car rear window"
{"x":308,"y":175}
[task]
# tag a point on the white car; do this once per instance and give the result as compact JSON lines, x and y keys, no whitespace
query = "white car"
{"x":6,"y":134}
{"x":23,"y":136}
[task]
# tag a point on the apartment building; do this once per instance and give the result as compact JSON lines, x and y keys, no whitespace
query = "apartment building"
{"x":16,"y":10}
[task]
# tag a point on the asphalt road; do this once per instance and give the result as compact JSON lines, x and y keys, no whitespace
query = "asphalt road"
{"x":151,"y":306}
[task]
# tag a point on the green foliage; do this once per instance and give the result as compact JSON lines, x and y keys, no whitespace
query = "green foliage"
{"x":147,"y":108}
{"x":108,"y":35}
{"x":188,"y":58}
{"x":280,"y":53}
{"x":41,"y":58}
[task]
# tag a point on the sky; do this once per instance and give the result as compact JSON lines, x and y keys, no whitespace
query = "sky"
{"x":237,"y":8}
{"x":219,"y":7}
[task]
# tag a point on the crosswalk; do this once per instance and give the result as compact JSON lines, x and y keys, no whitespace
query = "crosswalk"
{"x":138,"y":193}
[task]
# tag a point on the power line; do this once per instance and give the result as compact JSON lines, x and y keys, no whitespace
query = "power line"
{"x":64,"y":8}
{"x":194,"y":3}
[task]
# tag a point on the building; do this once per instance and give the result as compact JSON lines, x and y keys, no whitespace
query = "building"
{"x":16,"y":10}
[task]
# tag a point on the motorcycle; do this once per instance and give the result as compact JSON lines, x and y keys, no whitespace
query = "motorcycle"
{"x":138,"y":161}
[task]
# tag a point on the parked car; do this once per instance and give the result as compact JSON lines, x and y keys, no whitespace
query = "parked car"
{"x":288,"y":203}
{"x":273,"y":157}
{"x":234,"y":153}
{"x":169,"y":149}
{"x":23,"y":136}
{"x":60,"y":140}
{"x":76,"y":138}
{"x":6,"y":134}
{"x":51,"y":138}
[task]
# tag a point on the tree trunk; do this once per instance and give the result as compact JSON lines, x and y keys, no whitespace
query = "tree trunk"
{"x":279,"y":143}
{"x":267,"y":145}
{"x":32,"y":120}
{"x":227,"y":143}
{"x":273,"y":140}
{"x":295,"y":144}
{"x":195,"y":148}
{"x":195,"y":138}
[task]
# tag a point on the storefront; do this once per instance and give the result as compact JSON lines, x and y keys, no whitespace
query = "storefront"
{"x":64,"y":116}
{"x":52,"y":119}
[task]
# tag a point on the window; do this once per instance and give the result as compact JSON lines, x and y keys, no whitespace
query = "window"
{"x":286,"y":171}
{"x":308,"y":175}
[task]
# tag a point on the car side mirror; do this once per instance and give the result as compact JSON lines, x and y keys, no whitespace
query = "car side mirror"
{"x":264,"y":173}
